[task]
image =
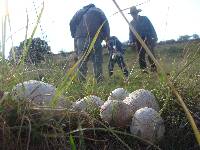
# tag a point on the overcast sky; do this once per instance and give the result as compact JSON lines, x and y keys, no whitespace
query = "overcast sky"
{"x":171,"y":19}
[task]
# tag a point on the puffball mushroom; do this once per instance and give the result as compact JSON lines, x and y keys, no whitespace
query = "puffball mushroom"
{"x":141,"y":98}
{"x":147,"y":124}
{"x":118,"y":94}
{"x":37,"y":92}
{"x":88,"y":103}
{"x":116,"y":113}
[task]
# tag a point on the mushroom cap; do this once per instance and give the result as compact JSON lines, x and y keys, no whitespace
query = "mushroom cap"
{"x":141,"y":98}
{"x":116,"y":113}
{"x":118,"y":94}
{"x":37,"y":92}
{"x":147,"y":124}
{"x":34,"y":91}
{"x":88,"y":103}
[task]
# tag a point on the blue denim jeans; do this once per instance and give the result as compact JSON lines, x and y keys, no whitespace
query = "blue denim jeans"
{"x":82,"y":46}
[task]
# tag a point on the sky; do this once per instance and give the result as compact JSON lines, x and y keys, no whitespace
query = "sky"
{"x":171,"y":19}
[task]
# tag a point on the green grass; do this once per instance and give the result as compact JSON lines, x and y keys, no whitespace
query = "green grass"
{"x":20,"y":124}
{"x":23,"y":127}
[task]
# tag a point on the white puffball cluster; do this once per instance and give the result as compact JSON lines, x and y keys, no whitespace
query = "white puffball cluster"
{"x":118,"y":94}
{"x":87,"y":103}
{"x":139,"y":105}
{"x":37,"y":92}
{"x":141,"y":98}
{"x":147,"y":124}
{"x":116,"y":113}
{"x":118,"y":110}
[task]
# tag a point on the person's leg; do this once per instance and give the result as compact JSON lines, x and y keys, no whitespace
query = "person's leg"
{"x":141,"y":53}
{"x":111,"y":65}
{"x":151,"y":62}
{"x":75,"y":46}
{"x":98,"y":71}
{"x":97,"y":60}
{"x":122,"y":65}
{"x":81,"y":47}
{"x":82,"y":70}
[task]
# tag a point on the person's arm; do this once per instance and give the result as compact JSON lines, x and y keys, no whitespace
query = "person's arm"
{"x":76,"y":20}
{"x":106,"y":31}
{"x":152,"y":31}
{"x":109,"y":47}
{"x":119,"y":46}
{"x":131,"y":36}
{"x":106,"y":27}
{"x":73,"y":25}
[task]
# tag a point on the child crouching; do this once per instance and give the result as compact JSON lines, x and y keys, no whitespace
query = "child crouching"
{"x":116,"y":53}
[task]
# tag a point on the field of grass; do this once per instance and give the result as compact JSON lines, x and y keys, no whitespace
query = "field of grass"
{"x":22,"y":127}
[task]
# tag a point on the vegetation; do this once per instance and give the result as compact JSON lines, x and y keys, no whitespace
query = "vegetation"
{"x":36,"y":52}
{"x":24,"y":127}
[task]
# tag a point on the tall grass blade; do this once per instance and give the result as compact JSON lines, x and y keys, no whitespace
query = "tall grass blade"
{"x":12,"y":49}
{"x":4,"y":21}
{"x":28,"y":43}
{"x":81,"y":138}
{"x":4,"y":36}
{"x":72,"y":143}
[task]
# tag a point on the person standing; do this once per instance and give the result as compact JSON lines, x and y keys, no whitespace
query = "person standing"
{"x":145,"y":29}
{"x":83,"y":26}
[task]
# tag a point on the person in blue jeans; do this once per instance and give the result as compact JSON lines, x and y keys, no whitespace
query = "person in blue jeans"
{"x":145,"y":29}
{"x":84,"y":26}
{"x":116,"y":53}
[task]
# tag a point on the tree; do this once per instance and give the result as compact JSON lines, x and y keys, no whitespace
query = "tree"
{"x":35,"y":52}
{"x":63,"y":53}
{"x":15,"y":54}
{"x":172,"y":41}
{"x":184,"y":38}
{"x":195,"y":36}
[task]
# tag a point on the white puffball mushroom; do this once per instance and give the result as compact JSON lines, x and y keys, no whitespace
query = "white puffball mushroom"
{"x":116,"y":113}
{"x":118,"y":94}
{"x":37,"y":92}
{"x":141,"y":98}
{"x":147,"y":124}
{"x":79,"y":105}
{"x":88,"y":103}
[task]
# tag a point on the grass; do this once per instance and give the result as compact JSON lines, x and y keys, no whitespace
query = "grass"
{"x":43,"y":130}
{"x":23,"y":127}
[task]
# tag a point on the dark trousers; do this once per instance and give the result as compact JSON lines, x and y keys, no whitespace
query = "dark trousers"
{"x":142,"y":53}
{"x":120,"y":61}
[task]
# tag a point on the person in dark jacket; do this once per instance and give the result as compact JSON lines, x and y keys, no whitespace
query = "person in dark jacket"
{"x":83,"y":27}
{"x":145,"y":29}
{"x":116,"y":53}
